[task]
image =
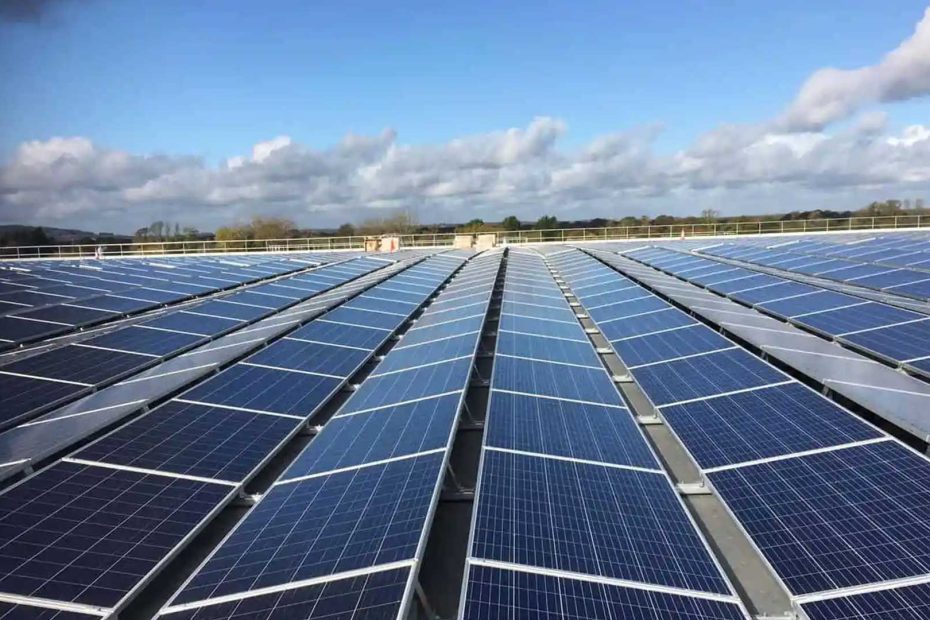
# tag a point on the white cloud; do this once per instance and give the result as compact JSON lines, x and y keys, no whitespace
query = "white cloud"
{"x":833,"y":94}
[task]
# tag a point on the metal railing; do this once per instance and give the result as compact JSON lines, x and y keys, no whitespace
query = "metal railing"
{"x":650,"y":231}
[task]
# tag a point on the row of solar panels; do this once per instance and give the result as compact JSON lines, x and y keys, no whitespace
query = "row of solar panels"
{"x":340,"y":533}
{"x":37,"y":383}
{"x":39,"y":299}
{"x":900,"y":398}
{"x":809,"y":258}
{"x":86,"y":533}
{"x":835,"y":506}
{"x":901,"y":337}
{"x":574,"y":516}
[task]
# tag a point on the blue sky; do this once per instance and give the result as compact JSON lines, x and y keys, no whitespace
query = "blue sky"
{"x":210,"y":79}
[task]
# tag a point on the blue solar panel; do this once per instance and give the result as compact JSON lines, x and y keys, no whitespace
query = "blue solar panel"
{"x":311,"y":357}
{"x":21,"y":330}
{"x":900,"y":603}
{"x":266,"y":389}
{"x":705,"y":375}
{"x":367,"y":318}
{"x":743,"y":284}
{"x":194,"y":440}
{"x":836,"y":519}
{"x":562,"y":313}
{"x":667,"y":345}
{"x":632,"y":309}
{"x":381,"y":434}
{"x":402,"y":308}
{"x":71,"y":315}
{"x":438,"y":351}
{"x":771,"y":293}
{"x":921,"y":290}
{"x":589,"y":519}
{"x":763,"y":423}
{"x":555,"y":329}
{"x":81,"y":364}
{"x":867,"y":316}
{"x":21,"y":611}
{"x":569,"y":429}
{"x":324,"y":525}
{"x":899,"y":342}
{"x":499,"y":593}
{"x":89,"y":535}
{"x":805,"y":304}
{"x":193,"y":323}
{"x":19,"y":396}
{"x":141,"y":340}
{"x":371,"y":596}
{"x":556,"y":380}
{"x":410,"y":384}
{"x":596,"y":298}
{"x":116,"y":303}
{"x":890,"y":278}
{"x":347,"y":335}
{"x":235,"y":311}
{"x":549,"y":349}
{"x":453,"y":328}
{"x":646,"y":323}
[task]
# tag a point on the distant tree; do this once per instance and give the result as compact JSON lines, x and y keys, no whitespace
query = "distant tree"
{"x":190,"y":233}
{"x":346,"y":230}
{"x":710,"y":215}
{"x":401,"y":222}
{"x":141,"y":235}
{"x":475,"y":225}
{"x":511,"y":223}
{"x":237,"y":232}
{"x":547,"y":222}
{"x":156,"y":230}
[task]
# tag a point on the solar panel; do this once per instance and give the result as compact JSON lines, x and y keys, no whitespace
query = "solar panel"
{"x":866,"y":316}
{"x":555,"y":380}
{"x":355,"y":439}
{"x":339,"y":334}
{"x":499,"y":593}
{"x":590,"y":519}
{"x":898,"y":342}
{"x":89,"y":535}
{"x":423,"y":382}
{"x":71,"y":315}
{"x":371,"y":596}
{"x":140,"y":340}
{"x":311,"y":357}
{"x":814,"y":302}
{"x":659,"y":320}
{"x":567,"y":429}
{"x":547,"y":349}
{"x":772,"y":293}
{"x":552,"y":329}
{"x":265,"y":389}
{"x":899,"y":603}
{"x":836,"y":519}
{"x":20,"y":396}
{"x":322,"y":526}
{"x":705,"y":375}
{"x":192,"y":323}
{"x":22,"y":611}
{"x":662,"y":346}
{"x":194,"y":440}
{"x":80,"y":364}
{"x":763,"y":423}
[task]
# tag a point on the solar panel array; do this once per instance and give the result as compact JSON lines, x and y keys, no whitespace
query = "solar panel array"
{"x":37,"y":383}
{"x":895,"y":264}
{"x":87,"y":531}
{"x":899,"y":336}
{"x":836,"y":507}
{"x":39,"y":299}
{"x":581,"y":523}
{"x":340,"y":532}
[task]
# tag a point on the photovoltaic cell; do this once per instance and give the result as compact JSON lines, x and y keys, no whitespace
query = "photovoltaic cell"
{"x":71,"y":315}
{"x":440,"y":350}
{"x":365,"y":317}
{"x":265,"y":389}
{"x":192,"y":323}
{"x":381,"y":434}
{"x":645,"y":324}
{"x":768,"y":422}
{"x":88,"y":535}
{"x":554,"y":329}
{"x":13,"y":611}
{"x":836,"y":519}
{"x":373,"y":596}
{"x":589,"y":519}
{"x":194,"y":440}
{"x":771,"y":293}
{"x":705,"y":375}
{"x":815,"y":302}
{"x":568,"y":429}
{"x":21,"y":395}
{"x":899,"y":342}
{"x":499,"y":593}
{"x":321,"y":526}
{"x":453,"y":328}
{"x":868,"y":316}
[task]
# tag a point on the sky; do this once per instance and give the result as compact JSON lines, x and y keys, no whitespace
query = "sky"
{"x":116,"y":113}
